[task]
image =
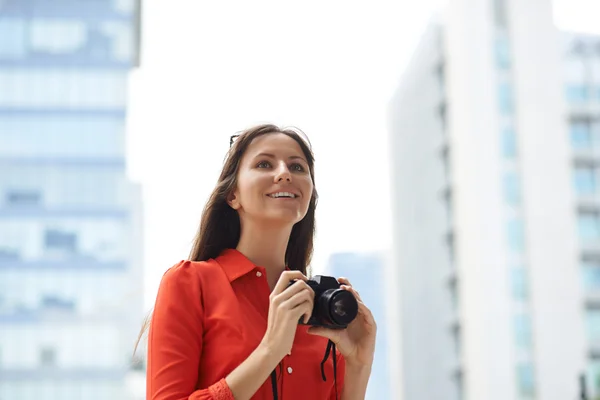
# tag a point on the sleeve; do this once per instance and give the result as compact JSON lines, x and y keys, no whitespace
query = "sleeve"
{"x":340,"y":374}
{"x":175,"y":340}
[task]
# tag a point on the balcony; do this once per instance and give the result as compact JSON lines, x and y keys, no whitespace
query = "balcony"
{"x":584,"y":109}
{"x":74,"y":263}
{"x":91,"y":10}
{"x":61,"y":374}
{"x":586,"y":156}
{"x":71,"y":212}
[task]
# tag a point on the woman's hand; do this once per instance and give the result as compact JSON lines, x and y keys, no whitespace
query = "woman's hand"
{"x":286,"y":306}
{"x":357,"y":341}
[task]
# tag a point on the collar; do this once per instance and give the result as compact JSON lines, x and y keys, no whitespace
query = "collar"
{"x":236,"y":265}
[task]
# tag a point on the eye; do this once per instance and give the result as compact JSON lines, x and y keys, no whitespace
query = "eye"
{"x":297,"y":167}
{"x":263,"y":164}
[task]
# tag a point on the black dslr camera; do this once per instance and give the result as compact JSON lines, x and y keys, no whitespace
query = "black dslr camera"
{"x":334,"y":308}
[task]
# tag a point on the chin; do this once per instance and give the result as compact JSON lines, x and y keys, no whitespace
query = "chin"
{"x":285,"y":218}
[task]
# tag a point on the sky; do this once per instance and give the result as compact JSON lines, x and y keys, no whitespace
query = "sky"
{"x":211,"y":69}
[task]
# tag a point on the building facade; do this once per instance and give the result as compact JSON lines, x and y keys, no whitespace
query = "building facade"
{"x":494,"y":136}
{"x":71,"y":282}
{"x":366,"y":273}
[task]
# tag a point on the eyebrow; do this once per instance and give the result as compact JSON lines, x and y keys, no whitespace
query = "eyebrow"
{"x":273,"y":156}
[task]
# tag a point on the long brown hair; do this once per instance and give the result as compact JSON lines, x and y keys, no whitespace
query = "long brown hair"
{"x":220,"y":224}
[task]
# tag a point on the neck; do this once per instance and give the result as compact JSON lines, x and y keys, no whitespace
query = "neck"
{"x":265,"y":246}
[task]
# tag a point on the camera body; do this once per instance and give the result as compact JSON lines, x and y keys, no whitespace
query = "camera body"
{"x":334,"y":308}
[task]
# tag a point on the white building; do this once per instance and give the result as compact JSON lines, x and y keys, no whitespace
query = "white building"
{"x":495,"y":147}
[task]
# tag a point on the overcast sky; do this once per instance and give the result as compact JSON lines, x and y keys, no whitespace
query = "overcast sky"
{"x":210,"y":69}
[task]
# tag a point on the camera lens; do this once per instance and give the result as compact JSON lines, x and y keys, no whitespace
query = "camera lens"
{"x":338,"y":307}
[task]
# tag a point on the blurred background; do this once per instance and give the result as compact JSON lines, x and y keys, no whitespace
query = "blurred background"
{"x":457,"y":153}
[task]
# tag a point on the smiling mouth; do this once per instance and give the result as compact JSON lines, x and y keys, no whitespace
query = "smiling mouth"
{"x":285,"y":195}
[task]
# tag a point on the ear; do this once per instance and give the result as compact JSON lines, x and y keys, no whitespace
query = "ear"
{"x":233,"y":200}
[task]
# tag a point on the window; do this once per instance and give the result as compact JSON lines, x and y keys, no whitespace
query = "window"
{"x":577,"y":93}
{"x":591,"y":274}
{"x":13,"y":34}
{"x":75,"y":89}
{"x":525,"y":379}
{"x":588,"y":225}
{"x":581,"y":135}
{"x":456,"y":340}
{"x":448,"y":207}
{"x":522,"y":331}
{"x":55,"y":239}
{"x":519,"y":283}
{"x":443,"y":115}
{"x":9,"y":254}
{"x":500,"y":13}
{"x":516,"y":239}
{"x":584,"y":180}
{"x":502,"y":52}
{"x":592,"y":322}
{"x":47,"y":357}
{"x":512,"y":190}
{"x":505,"y":98}
{"x":440,"y":76}
{"x":458,"y":381}
{"x":453,"y":290}
{"x":120,"y":35}
{"x":57,"y":36}
{"x":23,"y":197}
{"x":124,"y":6}
{"x":593,"y":379}
{"x":509,"y":143}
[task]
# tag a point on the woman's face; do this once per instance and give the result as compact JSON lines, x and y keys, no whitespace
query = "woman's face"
{"x":273,"y":183}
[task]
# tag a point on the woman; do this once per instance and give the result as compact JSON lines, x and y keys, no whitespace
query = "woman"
{"x":225,"y":323}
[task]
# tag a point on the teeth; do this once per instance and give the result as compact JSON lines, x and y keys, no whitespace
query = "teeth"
{"x":283,"y":194}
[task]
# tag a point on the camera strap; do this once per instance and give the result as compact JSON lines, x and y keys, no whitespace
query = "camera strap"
{"x":330,"y":347}
{"x":330,"y":350}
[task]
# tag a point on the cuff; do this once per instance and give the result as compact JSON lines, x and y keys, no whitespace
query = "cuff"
{"x":221,"y":391}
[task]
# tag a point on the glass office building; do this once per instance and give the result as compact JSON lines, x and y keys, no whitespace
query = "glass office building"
{"x":70,"y":245}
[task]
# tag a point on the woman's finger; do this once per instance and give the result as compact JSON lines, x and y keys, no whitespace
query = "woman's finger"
{"x":285,"y":279}
{"x":344,"y":281}
{"x":353,"y":291}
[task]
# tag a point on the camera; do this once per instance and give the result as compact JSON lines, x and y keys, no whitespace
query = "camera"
{"x":334,"y":307}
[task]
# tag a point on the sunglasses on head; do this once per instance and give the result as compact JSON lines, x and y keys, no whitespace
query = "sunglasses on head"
{"x":303,"y":136}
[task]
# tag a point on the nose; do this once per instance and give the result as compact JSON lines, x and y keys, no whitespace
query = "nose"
{"x":282,"y":173}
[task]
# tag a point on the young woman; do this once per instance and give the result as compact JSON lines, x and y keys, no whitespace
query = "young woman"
{"x":226,"y":322}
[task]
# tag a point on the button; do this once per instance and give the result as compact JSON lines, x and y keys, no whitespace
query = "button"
{"x":258,"y":273}
{"x":290,"y":370}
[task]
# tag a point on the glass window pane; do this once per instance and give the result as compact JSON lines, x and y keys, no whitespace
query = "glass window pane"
{"x":581,"y":137}
{"x":502,"y":52}
{"x":13,"y":34}
{"x":74,"y":89}
{"x":519,"y":283}
{"x":588,"y":226}
{"x":516,"y":239}
{"x":505,"y":98}
{"x":577,"y":94}
{"x":512,"y":192}
{"x":592,"y":320}
{"x":584,"y":180}
{"x":509,"y":143}
{"x":522,"y":330}
{"x":526,"y":379}
{"x":593,"y":378}
{"x":591,"y":275}
{"x":62,"y":135}
{"x":57,"y":36}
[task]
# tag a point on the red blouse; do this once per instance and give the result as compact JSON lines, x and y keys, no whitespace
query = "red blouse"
{"x":208,"y":317}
